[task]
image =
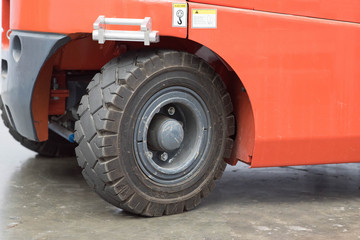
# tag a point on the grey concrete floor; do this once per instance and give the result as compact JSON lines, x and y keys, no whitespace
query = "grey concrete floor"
{"x":42,"y":198}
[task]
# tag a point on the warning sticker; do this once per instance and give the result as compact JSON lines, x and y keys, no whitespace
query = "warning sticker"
{"x":204,"y":18}
{"x":179,"y":15}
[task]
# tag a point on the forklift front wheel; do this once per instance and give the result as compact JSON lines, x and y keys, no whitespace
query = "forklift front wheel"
{"x":154,"y":129}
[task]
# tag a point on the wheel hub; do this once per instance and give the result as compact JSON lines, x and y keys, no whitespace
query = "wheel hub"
{"x":172,"y":133}
{"x":165,"y":134}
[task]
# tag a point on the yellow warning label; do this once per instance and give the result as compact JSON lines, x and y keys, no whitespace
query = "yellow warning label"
{"x":179,"y":5}
{"x":204,"y":18}
{"x":204,"y":11}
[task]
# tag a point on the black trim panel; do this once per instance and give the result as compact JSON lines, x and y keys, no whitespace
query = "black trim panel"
{"x":23,"y":70}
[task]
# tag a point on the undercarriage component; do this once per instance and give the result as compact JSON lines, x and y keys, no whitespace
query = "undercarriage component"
{"x":61,"y":131}
{"x":55,"y":146}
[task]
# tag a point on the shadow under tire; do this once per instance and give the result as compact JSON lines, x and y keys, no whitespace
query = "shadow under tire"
{"x":55,"y":146}
{"x":154,"y":130}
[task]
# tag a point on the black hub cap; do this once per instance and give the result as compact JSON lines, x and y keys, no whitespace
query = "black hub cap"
{"x":165,"y":134}
{"x":171,"y":135}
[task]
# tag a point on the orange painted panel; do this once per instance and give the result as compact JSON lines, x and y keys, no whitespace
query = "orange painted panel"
{"x":302,"y":77}
{"x":76,"y":54}
{"x":342,"y":10}
{"x":40,"y":101}
{"x":245,"y":129}
{"x":5,"y":11}
{"x":68,"y":16}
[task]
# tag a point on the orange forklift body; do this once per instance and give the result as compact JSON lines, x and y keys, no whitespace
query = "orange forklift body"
{"x":297,"y":64}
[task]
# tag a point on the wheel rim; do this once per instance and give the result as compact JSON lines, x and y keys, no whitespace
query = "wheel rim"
{"x":171,"y":135}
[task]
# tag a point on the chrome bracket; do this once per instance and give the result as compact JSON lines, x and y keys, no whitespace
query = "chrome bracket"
{"x":146,"y":35}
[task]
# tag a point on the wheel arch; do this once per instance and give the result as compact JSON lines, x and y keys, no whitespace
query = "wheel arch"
{"x":82,"y":53}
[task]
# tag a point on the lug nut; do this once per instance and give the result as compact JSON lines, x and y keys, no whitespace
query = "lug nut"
{"x":164,"y":156}
{"x":149,"y":154}
{"x":171,"y":111}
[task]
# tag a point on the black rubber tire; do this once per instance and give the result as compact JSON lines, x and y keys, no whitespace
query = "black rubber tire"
{"x":105,"y":130}
{"x":55,"y":146}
